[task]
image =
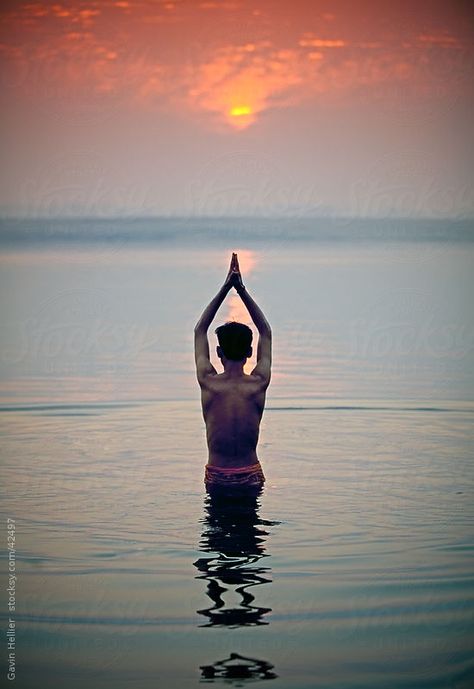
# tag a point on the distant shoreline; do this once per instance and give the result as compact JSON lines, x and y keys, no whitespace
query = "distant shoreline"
{"x":240,"y":228}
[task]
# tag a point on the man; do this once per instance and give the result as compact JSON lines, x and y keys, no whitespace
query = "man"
{"x":233,"y":401}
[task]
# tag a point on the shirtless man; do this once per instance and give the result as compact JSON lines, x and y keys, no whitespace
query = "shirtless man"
{"x":233,"y":401}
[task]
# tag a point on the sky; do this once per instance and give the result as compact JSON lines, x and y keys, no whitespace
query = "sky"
{"x":237,"y":107}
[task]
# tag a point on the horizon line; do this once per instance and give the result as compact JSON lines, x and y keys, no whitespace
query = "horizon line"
{"x":454,"y":218}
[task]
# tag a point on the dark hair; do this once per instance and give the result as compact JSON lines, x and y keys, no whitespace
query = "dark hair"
{"x":235,"y":340}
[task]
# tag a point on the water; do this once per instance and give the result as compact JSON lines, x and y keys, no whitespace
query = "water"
{"x":352,"y":569}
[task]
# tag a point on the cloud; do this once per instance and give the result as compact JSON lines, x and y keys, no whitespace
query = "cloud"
{"x":183,"y":55}
{"x":309,"y":41}
{"x":242,"y":81}
{"x":444,"y":40}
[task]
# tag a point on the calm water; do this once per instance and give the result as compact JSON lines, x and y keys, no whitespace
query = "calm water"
{"x":353,"y":569}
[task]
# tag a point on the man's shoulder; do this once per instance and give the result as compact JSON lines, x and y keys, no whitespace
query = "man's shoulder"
{"x":222,"y":382}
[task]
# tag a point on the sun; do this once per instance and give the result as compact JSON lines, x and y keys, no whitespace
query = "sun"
{"x":241,"y":110}
{"x":240,"y":116}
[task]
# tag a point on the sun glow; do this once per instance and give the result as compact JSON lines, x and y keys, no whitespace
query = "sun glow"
{"x":240,"y":110}
{"x":240,"y":116}
{"x":236,"y":310}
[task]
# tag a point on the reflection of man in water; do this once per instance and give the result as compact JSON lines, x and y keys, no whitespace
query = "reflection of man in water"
{"x":238,"y":668}
{"x":233,"y":540}
{"x":232,"y":401}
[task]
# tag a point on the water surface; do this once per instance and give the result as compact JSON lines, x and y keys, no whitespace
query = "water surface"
{"x":352,"y":569}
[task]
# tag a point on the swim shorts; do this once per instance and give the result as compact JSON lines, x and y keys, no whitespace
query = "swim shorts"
{"x":234,"y":476}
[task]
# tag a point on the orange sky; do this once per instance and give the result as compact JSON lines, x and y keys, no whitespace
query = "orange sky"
{"x":229,"y":60}
{"x":224,"y":68}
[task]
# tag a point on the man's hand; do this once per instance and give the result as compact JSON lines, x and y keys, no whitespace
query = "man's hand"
{"x":234,"y":278}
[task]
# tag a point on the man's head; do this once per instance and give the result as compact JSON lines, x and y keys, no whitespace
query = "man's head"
{"x":235,"y":341}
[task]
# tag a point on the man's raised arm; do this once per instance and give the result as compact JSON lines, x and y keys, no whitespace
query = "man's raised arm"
{"x":264,"y":350}
{"x":201,"y":344}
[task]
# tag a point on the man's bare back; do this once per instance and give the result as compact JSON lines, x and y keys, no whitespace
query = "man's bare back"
{"x":232,"y":407}
{"x":233,"y":401}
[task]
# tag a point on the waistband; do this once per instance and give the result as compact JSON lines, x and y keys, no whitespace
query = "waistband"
{"x":233,"y":470}
{"x":248,"y":475}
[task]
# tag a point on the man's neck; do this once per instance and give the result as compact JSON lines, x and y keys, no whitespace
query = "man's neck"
{"x":233,"y":368}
